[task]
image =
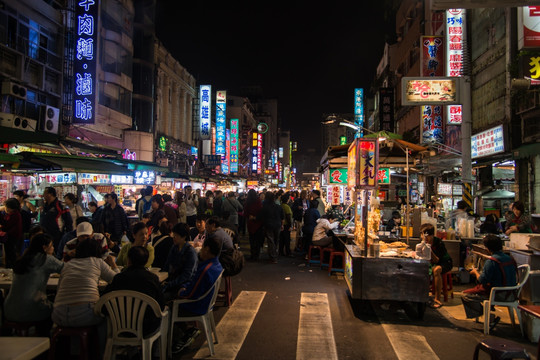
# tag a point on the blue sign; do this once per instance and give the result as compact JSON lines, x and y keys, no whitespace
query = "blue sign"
{"x":85,"y":63}
{"x":359,"y":110}
{"x":145,"y":177}
{"x":205,"y":111}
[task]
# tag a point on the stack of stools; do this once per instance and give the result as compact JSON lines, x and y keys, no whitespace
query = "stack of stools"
{"x":312,"y":258}
{"x":332,"y":266}
{"x":85,"y":334}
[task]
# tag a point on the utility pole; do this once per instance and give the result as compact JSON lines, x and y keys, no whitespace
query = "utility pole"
{"x":466,"y":128}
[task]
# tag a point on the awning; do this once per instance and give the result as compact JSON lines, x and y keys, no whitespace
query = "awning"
{"x":491,"y":193}
{"x":525,"y":151}
{"x":12,"y":160}
{"x":54,"y":162}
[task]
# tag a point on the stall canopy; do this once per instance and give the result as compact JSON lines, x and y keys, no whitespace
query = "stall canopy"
{"x":492,"y":193}
{"x":528,"y":150}
{"x":56,"y":162}
{"x":9,"y":160}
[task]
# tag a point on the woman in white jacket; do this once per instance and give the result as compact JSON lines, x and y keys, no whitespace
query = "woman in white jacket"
{"x":324,"y":224}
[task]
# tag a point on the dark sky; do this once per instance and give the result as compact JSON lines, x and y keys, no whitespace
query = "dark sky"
{"x":307,"y":56}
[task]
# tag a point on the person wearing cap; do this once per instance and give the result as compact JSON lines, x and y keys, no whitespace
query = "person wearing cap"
{"x":85,"y":231}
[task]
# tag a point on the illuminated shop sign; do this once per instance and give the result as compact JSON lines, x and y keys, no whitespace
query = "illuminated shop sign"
{"x":85,"y":62}
{"x":432,"y":56}
{"x":145,"y":177}
{"x":122,"y":179}
{"x":225,"y":163}
{"x":89,"y":178}
{"x":359,"y":109}
{"x":338,"y":176}
{"x":234,"y":146}
{"x":221,"y":111}
{"x":254,"y":152}
{"x":455,"y":30}
{"x":205,"y":111}
{"x":429,"y":91}
{"x":195,"y":152}
{"x":128,"y":155}
{"x":259,"y":153}
{"x":487,"y":142}
{"x":432,"y":124}
{"x":384,"y":176}
{"x":58,"y":178}
{"x":528,"y":27}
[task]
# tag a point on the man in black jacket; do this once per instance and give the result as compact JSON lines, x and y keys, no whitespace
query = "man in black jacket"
{"x":54,"y":218}
{"x":272,"y":217}
{"x":135,"y":277}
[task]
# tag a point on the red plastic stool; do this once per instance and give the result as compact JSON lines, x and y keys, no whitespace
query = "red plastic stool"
{"x":326,"y":250}
{"x":227,"y":293}
{"x":331,"y":267}
{"x":311,"y":258}
{"x":501,"y":349}
{"x":447,"y":285}
{"x":85,"y":334}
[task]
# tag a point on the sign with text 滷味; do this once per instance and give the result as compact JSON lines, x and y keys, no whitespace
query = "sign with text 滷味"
{"x":487,"y":142}
{"x":85,"y":62}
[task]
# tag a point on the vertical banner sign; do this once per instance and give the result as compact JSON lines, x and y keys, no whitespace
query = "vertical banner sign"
{"x":85,"y":63}
{"x":259,"y":153}
{"x":351,"y":164}
{"x":254,"y":153}
{"x":221,"y":111}
{"x":205,"y":111}
{"x":226,"y":160}
{"x":359,"y":110}
{"x":455,"y":30}
{"x":342,"y":140}
{"x":386,"y":109}
{"x":368,"y":163}
{"x":432,"y":64}
{"x":234,"y":146}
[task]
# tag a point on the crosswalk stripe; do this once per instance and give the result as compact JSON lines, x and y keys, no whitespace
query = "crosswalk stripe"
{"x":408,"y":344}
{"x":315,"y":331}
{"x":234,"y":326}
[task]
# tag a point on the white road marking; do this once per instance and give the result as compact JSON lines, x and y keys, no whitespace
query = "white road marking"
{"x":407,"y":344}
{"x":234,"y":326}
{"x":315,"y":331}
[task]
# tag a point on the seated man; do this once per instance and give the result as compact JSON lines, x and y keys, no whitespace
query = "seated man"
{"x":441,"y":261}
{"x":499,"y":270}
{"x":207,"y":273}
{"x":85,"y":231}
{"x":135,"y":277}
{"x":214,"y":230}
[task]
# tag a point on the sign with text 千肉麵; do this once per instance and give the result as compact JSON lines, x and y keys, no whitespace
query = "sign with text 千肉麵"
{"x":430,"y":91}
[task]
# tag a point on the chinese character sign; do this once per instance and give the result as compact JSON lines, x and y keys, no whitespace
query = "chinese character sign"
{"x":85,"y":62}
{"x":432,"y":56}
{"x":234,"y":146}
{"x":384,"y":176}
{"x":225,"y":163}
{"x":145,"y":177}
{"x":254,"y":153}
{"x":359,"y":109}
{"x":432,"y":124}
{"x":351,"y":165}
{"x":259,"y":152}
{"x":337,"y":176}
{"x":429,"y":91}
{"x":386,"y":109}
{"x":368,"y":164}
{"x":528,"y":32}
{"x":205,"y":111}
{"x":455,"y":30}
{"x":221,"y":112}
{"x":487,"y":142}
{"x":335,"y":195}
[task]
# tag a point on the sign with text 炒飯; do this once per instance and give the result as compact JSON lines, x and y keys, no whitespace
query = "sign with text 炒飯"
{"x":383,"y":176}
{"x":359,"y":110}
{"x":85,"y":61}
{"x":205,"y":111}
{"x":487,"y":142}
{"x":455,"y":30}
{"x":429,"y":90}
{"x":337,"y":176}
{"x":234,"y":146}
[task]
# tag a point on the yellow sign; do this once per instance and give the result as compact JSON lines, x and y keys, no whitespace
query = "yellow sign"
{"x":430,"y":91}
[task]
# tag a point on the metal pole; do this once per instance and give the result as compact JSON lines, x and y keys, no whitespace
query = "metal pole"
{"x":407,"y":207}
{"x":466,"y":125}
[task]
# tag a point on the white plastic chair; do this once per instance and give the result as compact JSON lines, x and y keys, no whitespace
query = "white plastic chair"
{"x":125,"y":315}
{"x":523,"y":275}
{"x":229,"y":232}
{"x":206,"y":319}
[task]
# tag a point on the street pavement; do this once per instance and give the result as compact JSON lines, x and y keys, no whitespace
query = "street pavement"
{"x":292,"y":311}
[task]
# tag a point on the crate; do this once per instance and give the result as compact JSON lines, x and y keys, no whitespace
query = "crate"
{"x":531,"y":326}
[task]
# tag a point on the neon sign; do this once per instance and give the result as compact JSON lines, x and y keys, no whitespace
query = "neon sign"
{"x":85,"y":63}
{"x":128,"y":155}
{"x":359,"y":110}
{"x":205,"y":111}
{"x":234,"y":145}
{"x":221,"y":111}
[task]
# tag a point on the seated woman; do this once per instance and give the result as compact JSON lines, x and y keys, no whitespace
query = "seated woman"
{"x":499,"y":270}
{"x":310,"y":221}
{"x":321,"y":234}
{"x":395,"y":221}
{"x":441,"y":261}
{"x":27,"y":299}
{"x":139,"y":238}
{"x":518,"y":222}
{"x":78,"y":285}
{"x":491,"y":225}
{"x":162,"y":244}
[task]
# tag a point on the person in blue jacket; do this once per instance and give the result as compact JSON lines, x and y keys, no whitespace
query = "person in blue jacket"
{"x":207,"y":273}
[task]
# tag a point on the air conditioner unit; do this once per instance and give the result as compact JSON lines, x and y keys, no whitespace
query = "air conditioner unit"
{"x":9,"y":88}
{"x":17,"y":122}
{"x":49,"y":118}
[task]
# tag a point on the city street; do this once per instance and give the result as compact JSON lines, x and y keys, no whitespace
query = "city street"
{"x":279,"y":313}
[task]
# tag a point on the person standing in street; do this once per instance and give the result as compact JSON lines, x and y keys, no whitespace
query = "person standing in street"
{"x":115,"y":219}
{"x":316,"y":195}
{"x":285,"y":235}
{"x":11,"y":224}
{"x":232,"y":207}
{"x":192,"y":202}
{"x":54,"y":218}
{"x":272,"y":217}
{"x":252,"y":209}
{"x":299,"y":207}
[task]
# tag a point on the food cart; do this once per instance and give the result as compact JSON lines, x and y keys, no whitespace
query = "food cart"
{"x":369,"y":276}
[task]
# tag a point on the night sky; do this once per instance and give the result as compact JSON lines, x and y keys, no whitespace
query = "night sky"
{"x":309,"y":57}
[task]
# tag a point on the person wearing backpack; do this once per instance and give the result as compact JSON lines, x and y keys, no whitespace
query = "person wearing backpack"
{"x":145,"y":205}
{"x":55,"y":219}
{"x":232,"y":207}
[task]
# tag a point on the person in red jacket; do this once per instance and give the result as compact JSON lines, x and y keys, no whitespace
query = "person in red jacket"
{"x":11,"y":224}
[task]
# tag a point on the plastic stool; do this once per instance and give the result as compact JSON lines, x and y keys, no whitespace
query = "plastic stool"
{"x":447,"y":285}
{"x":21,"y":328}
{"x":311,"y":258}
{"x":227,"y":293}
{"x":325,"y":250}
{"x":501,"y":349}
{"x":84,"y":334}
{"x":331,"y":267}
